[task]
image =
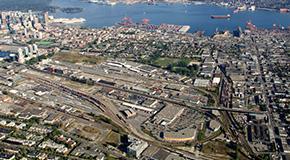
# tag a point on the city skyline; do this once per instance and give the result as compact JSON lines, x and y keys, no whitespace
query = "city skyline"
{"x":141,"y":90}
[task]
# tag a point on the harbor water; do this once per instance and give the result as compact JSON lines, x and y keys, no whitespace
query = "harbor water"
{"x":198,"y":17}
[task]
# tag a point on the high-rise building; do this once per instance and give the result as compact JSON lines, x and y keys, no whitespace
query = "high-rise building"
{"x":26,"y":51}
{"x":36,"y":25}
{"x":40,"y":35}
{"x":25,"y":31}
{"x":45,"y":16}
{"x":30,"y":48}
{"x":35,"y":48}
{"x":3,"y":16}
{"x":20,"y":56}
{"x":30,"y":15}
{"x":30,"y":51}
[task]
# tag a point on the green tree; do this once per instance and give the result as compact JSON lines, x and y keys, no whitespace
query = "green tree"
{"x":182,"y":63}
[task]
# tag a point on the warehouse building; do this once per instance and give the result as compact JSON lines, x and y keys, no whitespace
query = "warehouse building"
{"x":201,"y":83}
{"x":181,"y":135}
{"x":167,"y":115}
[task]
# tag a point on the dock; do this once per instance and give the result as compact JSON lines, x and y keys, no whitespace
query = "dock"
{"x":184,"y":29}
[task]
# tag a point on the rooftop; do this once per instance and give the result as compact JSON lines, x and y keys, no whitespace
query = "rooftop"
{"x":181,"y":135}
{"x":168,"y":113}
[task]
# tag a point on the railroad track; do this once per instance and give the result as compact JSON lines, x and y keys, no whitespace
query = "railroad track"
{"x":113,"y":115}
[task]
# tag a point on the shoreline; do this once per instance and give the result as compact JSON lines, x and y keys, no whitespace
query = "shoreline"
{"x":130,"y":3}
{"x":208,"y":30}
{"x":187,"y":3}
{"x":268,"y":9}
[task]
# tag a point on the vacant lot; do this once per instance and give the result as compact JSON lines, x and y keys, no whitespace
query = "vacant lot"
{"x":223,"y":149}
{"x":77,"y":58}
{"x":84,"y":131}
{"x":113,"y":137}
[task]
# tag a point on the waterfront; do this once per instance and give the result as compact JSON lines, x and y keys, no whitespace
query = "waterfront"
{"x":197,"y":16}
{"x":78,"y":93}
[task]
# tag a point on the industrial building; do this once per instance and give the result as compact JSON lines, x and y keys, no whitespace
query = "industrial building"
{"x":214,"y":125}
{"x":175,"y":87}
{"x":108,"y":83}
{"x":167,"y":115}
{"x":144,"y":90}
{"x":147,"y":69}
{"x":151,"y":103}
{"x":129,"y":113}
{"x":201,"y":83}
{"x":149,"y":110}
{"x":181,"y":135}
{"x":107,"y":91}
{"x":188,"y":96}
{"x":136,"y":147}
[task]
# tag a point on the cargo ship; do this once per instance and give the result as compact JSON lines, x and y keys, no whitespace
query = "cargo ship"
{"x":242,"y":8}
{"x":68,"y":21}
{"x":93,"y":1}
{"x":283,"y":10}
{"x":252,"y":8}
{"x":221,"y":16}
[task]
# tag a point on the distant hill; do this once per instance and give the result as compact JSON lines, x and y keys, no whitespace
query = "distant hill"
{"x":24,"y":5}
{"x":271,"y":4}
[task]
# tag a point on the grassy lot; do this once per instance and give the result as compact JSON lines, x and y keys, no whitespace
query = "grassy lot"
{"x":90,"y":129}
{"x":77,"y":58}
{"x":76,"y":85}
{"x":201,"y":132}
{"x":164,"y":62}
{"x":113,"y":137}
{"x":44,"y":43}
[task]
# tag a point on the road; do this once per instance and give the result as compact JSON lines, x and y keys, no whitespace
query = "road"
{"x":74,"y":137}
{"x":234,"y":110}
{"x":231,"y":125}
{"x":111,"y":113}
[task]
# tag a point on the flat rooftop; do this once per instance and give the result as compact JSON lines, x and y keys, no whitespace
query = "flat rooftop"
{"x":181,"y":135}
{"x":168,"y":113}
{"x":150,"y":151}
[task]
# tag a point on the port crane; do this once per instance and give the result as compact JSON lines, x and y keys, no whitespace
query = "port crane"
{"x":249,"y":25}
{"x":145,"y":21}
{"x":127,"y":20}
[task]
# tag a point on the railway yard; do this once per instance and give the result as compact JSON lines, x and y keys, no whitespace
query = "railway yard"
{"x":139,"y":101}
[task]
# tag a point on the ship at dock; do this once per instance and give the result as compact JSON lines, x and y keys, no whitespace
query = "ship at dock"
{"x":221,"y":16}
{"x":68,"y":21}
{"x":169,"y":28}
{"x":283,"y":10}
{"x":102,"y":2}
